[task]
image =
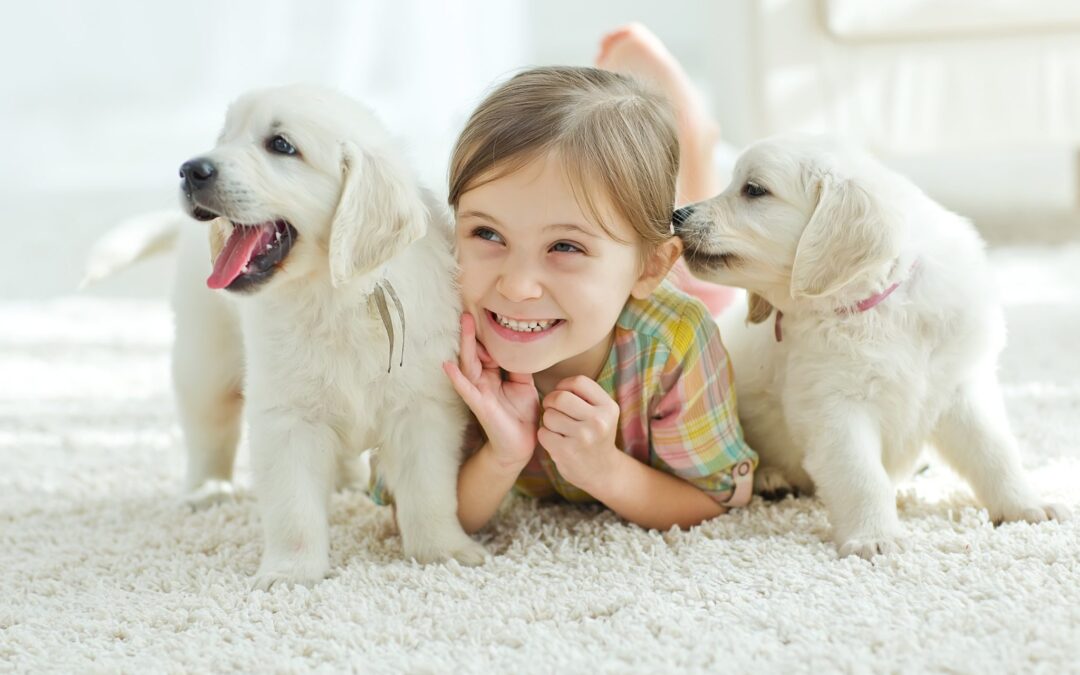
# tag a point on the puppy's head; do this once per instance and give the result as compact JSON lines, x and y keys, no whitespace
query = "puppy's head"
{"x":801,"y":217}
{"x":303,"y":182}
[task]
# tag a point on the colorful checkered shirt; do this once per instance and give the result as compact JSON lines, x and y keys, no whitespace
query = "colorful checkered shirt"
{"x":670,"y":375}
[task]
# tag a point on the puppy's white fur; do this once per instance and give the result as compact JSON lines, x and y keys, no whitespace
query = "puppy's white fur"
{"x":844,"y":402}
{"x":306,"y":353}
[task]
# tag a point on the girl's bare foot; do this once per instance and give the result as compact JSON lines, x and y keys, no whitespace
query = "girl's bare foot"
{"x":635,"y":50}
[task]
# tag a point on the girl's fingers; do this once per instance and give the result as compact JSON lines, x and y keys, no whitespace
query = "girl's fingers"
{"x":570,"y":404}
{"x":554,"y":443}
{"x":470,"y":362}
{"x":559,"y":422}
{"x":485,"y":358}
{"x":462,"y":385}
{"x":585,"y":388}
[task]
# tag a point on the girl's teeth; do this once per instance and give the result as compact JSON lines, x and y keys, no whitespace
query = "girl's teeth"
{"x":524,"y":326}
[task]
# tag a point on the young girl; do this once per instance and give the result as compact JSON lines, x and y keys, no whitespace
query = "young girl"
{"x":592,"y":378}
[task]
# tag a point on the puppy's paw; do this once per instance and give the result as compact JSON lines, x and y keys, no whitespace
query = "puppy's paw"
{"x":1058,"y":512}
{"x":1030,"y":513}
{"x":470,"y":554}
{"x":210,"y":493}
{"x":869,"y":547}
{"x":462,"y":549}
{"x":771,"y":484}
{"x":289,"y":573}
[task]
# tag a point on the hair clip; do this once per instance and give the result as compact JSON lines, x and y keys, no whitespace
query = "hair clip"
{"x":671,"y":228}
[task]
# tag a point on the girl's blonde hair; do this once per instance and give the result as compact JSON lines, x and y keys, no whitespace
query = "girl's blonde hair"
{"x":609,"y":130}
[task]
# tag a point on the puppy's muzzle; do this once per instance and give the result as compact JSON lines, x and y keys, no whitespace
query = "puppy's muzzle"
{"x":680,"y":216}
{"x":693,"y":228}
{"x":687,"y":224}
{"x":198,"y":176}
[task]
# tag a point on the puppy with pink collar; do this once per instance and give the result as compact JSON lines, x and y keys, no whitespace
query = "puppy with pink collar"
{"x":885,"y":336}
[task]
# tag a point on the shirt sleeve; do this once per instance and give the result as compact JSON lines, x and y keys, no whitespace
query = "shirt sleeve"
{"x":694,"y":429}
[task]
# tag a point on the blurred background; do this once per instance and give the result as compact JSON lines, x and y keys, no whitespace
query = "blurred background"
{"x":977,"y":100}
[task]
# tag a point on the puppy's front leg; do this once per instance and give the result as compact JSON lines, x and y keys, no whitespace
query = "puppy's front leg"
{"x":420,"y":458}
{"x":844,"y":459}
{"x":973,"y":436}
{"x":293,"y":463}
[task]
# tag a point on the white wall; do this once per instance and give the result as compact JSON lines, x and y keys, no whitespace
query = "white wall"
{"x":115,"y":94}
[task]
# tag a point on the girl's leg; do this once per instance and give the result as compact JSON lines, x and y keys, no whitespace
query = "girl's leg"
{"x":634,"y":50}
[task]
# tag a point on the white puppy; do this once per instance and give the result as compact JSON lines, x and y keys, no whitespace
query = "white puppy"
{"x":885,"y":335}
{"x":331,"y":306}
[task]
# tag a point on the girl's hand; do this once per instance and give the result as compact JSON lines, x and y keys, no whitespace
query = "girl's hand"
{"x":578,"y":431}
{"x":508,"y":410}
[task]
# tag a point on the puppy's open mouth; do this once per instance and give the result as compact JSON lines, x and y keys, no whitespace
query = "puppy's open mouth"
{"x":251,"y":255}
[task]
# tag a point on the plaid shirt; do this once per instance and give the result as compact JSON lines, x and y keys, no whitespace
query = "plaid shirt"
{"x":670,"y":375}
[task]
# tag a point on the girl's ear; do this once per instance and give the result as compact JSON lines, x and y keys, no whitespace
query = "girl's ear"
{"x":657,"y":267}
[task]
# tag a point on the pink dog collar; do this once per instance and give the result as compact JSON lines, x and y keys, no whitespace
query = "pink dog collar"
{"x":870,"y":302}
{"x":860,"y":306}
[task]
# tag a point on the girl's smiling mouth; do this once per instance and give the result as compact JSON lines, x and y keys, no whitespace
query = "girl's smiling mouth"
{"x":521,"y":330}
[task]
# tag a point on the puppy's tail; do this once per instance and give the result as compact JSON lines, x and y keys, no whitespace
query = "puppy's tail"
{"x":135,"y":239}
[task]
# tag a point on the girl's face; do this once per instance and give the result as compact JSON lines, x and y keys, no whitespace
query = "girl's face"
{"x":545,"y":283}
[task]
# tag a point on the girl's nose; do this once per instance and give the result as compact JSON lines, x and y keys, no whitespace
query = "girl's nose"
{"x":518,"y":282}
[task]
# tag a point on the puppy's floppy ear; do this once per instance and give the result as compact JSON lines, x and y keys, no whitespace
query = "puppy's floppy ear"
{"x":380,"y":212}
{"x":757,"y":308}
{"x":849,"y":232}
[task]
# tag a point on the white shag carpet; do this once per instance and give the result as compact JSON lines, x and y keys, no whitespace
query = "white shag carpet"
{"x":102,"y":570}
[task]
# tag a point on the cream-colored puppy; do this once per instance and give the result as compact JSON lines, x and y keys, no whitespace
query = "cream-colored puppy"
{"x":873,"y":329}
{"x":327,"y":312}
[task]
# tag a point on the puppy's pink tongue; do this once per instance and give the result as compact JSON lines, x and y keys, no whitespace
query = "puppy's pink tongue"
{"x":238,"y":251}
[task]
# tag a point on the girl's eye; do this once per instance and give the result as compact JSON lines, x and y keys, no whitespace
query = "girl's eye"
{"x":488,"y":234}
{"x":565,"y":247}
{"x":280,"y":145}
{"x":754,"y":190}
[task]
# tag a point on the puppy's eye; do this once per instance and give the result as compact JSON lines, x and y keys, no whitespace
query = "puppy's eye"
{"x":754,"y":190}
{"x":280,"y":145}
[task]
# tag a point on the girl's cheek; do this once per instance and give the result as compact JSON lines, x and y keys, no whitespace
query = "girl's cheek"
{"x":472,"y":251}
{"x":572,"y":263}
{"x":477,"y":265}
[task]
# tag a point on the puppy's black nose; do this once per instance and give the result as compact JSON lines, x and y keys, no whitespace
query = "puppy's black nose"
{"x":680,"y":216}
{"x":197,"y":173}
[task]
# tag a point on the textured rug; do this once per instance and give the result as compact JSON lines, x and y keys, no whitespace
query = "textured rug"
{"x":102,"y":570}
